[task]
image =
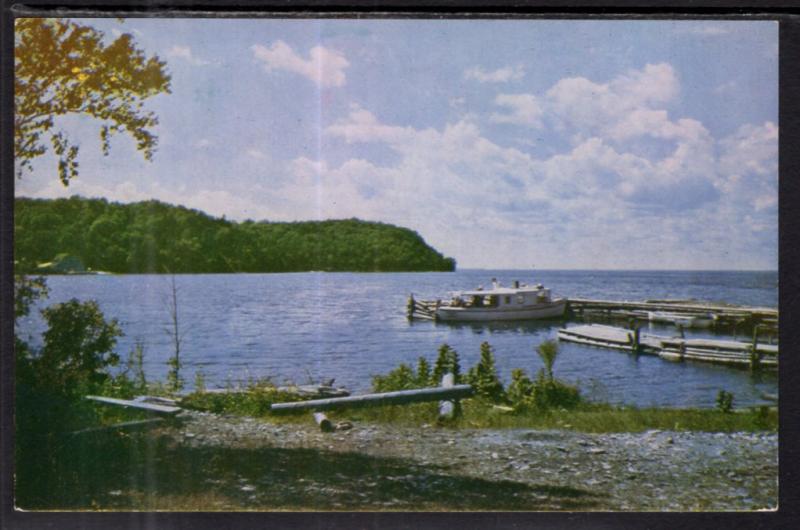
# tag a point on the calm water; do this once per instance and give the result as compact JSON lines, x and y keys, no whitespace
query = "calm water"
{"x":292,"y":327}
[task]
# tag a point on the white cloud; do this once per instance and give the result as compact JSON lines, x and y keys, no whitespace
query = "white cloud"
{"x":256,"y":153}
{"x":324,"y":66}
{"x":185,"y":53}
{"x":748,"y":165}
{"x":522,"y":109}
{"x":581,"y":104}
{"x":501,"y":75}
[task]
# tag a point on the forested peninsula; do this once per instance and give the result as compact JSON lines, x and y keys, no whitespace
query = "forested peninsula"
{"x":78,"y":234}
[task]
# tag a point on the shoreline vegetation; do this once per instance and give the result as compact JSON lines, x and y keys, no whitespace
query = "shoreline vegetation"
{"x":72,"y":453}
{"x":79,"y":235}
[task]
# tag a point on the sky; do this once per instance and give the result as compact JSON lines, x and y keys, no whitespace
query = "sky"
{"x":553,"y":144}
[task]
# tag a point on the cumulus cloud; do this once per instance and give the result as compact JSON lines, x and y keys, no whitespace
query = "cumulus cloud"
{"x":501,"y":75}
{"x":630,"y":164}
{"x":586,"y":106}
{"x":521,"y":109}
{"x":324,"y":66}
{"x":185,"y":53}
{"x":748,"y":165}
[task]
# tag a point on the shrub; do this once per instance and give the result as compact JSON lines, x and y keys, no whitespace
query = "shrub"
{"x":520,"y":390}
{"x":548,"y":351}
{"x":542,"y":394}
{"x":483,"y":377}
{"x":253,"y":400}
{"x":401,"y":378}
{"x":724,"y":401}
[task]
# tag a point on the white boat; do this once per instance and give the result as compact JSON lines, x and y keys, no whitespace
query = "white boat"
{"x":681,"y":319}
{"x":520,"y":302}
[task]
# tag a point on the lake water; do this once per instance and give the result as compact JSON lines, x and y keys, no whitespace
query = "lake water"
{"x":292,"y":327}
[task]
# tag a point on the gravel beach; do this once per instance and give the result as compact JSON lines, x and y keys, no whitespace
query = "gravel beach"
{"x":387,"y":467}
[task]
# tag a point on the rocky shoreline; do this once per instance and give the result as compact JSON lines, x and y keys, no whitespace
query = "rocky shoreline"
{"x":387,"y":467}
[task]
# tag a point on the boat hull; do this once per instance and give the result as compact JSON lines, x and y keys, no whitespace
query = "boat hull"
{"x":552,"y":309}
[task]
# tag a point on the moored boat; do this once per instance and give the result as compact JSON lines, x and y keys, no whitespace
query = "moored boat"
{"x":519,"y":302}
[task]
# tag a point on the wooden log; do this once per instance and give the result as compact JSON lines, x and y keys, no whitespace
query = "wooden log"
{"x":150,"y":407}
{"x":324,"y":423}
{"x":400,"y":397}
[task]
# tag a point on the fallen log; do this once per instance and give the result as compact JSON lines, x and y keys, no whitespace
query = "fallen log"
{"x":136,"y":404}
{"x":324,"y":423}
{"x":400,"y":397}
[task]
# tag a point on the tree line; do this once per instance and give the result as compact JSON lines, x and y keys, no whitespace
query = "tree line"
{"x":155,"y":237}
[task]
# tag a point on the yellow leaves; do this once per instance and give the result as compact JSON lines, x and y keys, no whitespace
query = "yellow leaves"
{"x":81,"y":77}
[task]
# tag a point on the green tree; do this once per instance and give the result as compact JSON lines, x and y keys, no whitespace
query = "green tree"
{"x":78,"y":348}
{"x":423,"y":372}
{"x":62,"y":67}
{"x":483,"y":376}
{"x":446,"y":362}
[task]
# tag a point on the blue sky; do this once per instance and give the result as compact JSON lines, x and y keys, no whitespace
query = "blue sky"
{"x":504,"y":143}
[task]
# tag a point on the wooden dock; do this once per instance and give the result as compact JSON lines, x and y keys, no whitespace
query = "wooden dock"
{"x":730,"y":352}
{"x":724,"y":316}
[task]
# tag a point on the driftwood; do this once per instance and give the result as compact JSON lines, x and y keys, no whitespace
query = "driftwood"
{"x":324,"y":423}
{"x":138,"y":403}
{"x":401,"y":397}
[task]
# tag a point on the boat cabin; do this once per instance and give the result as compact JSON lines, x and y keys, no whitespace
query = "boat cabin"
{"x":520,"y":295}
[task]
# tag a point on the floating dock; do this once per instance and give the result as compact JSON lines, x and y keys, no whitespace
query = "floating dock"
{"x":730,"y":352}
{"x":724,"y":316}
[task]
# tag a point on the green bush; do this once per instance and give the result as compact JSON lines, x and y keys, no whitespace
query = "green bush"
{"x":542,"y":394}
{"x":520,"y":390}
{"x":401,"y":378}
{"x":484,"y":379}
{"x":254,"y":400}
{"x":724,"y":401}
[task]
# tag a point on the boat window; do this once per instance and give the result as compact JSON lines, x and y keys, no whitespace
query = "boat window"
{"x":507,"y":299}
{"x":520,"y":299}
